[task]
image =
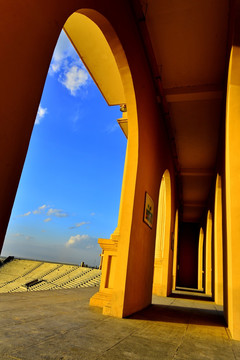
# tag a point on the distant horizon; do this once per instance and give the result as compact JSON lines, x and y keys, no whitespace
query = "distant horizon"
{"x":70,"y":188}
{"x":48,"y":261}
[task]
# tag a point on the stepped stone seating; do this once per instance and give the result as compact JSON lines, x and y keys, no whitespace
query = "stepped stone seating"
{"x":87,"y":279}
{"x":28,"y":275}
{"x":61,"y":271}
{"x":17,"y":268}
{"x":13,"y":274}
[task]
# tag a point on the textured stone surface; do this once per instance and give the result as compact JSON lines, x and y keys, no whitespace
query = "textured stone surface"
{"x":60,"y":325}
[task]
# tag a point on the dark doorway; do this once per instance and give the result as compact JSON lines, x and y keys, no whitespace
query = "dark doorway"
{"x":187,"y":275}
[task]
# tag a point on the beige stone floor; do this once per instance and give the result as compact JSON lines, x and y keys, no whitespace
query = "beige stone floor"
{"x":60,"y":325}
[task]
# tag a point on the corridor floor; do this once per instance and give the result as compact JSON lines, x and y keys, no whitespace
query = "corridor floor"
{"x":60,"y":325}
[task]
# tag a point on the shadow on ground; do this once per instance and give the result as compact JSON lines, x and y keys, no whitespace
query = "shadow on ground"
{"x":182,"y":315}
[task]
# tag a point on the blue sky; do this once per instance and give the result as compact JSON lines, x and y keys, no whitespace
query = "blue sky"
{"x":70,"y":188}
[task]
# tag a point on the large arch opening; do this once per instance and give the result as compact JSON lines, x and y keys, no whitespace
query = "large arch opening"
{"x":114,"y":62}
{"x":67,"y":196}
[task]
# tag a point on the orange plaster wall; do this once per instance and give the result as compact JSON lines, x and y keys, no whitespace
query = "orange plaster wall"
{"x":151,"y":166}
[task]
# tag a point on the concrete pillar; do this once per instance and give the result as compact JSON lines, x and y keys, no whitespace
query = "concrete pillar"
{"x":208,"y":256}
{"x":159,"y":244}
{"x":232,"y":173}
{"x":163,"y":238}
{"x":200,"y":260}
{"x":218,"y":247}
{"x":174,"y":274}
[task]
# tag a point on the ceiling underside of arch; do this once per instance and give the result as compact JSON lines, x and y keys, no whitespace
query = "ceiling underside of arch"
{"x":189,"y":40}
{"x":97,"y":56}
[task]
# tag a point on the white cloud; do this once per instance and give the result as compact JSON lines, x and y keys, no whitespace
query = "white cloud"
{"x":63,"y":50}
{"x":55,"y":66}
{"x":67,"y":64}
{"x":82,"y":223}
{"x":29,"y":237}
{"x":40,"y":209}
{"x":112,"y":128}
{"x":79,"y":224}
{"x":19,"y":235}
{"x":40,"y":114}
{"x":75,"y":118}
{"x":56,"y":212}
{"x":51,"y":212}
{"x":26,"y":214}
{"x":77,"y":239}
{"x":74,"y":78}
{"x":82,"y":242}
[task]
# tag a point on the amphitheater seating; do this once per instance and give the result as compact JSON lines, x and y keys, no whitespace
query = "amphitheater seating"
{"x":28,"y":275}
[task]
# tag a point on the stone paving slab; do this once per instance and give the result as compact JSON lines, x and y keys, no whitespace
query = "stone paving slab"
{"x":60,"y":325}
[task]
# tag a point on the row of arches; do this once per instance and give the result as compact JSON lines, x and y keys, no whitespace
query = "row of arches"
{"x":209,"y":278}
{"x":132,"y":245}
{"x":129,"y":255}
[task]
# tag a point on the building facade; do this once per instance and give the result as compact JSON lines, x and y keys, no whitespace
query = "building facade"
{"x":174,"y":67}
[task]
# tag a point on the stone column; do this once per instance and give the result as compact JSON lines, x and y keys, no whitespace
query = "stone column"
{"x":200,"y":260}
{"x":208,"y":256}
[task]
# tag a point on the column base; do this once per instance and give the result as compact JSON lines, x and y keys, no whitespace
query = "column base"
{"x":158,"y":290}
{"x":101,"y":299}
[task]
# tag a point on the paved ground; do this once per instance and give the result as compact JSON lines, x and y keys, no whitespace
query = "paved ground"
{"x":60,"y":325}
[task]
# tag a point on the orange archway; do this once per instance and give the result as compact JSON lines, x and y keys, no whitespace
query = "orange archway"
{"x":100,"y":49}
{"x":30,"y":45}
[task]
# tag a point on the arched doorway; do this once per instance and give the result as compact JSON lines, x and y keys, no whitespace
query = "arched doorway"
{"x":104,"y":57}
